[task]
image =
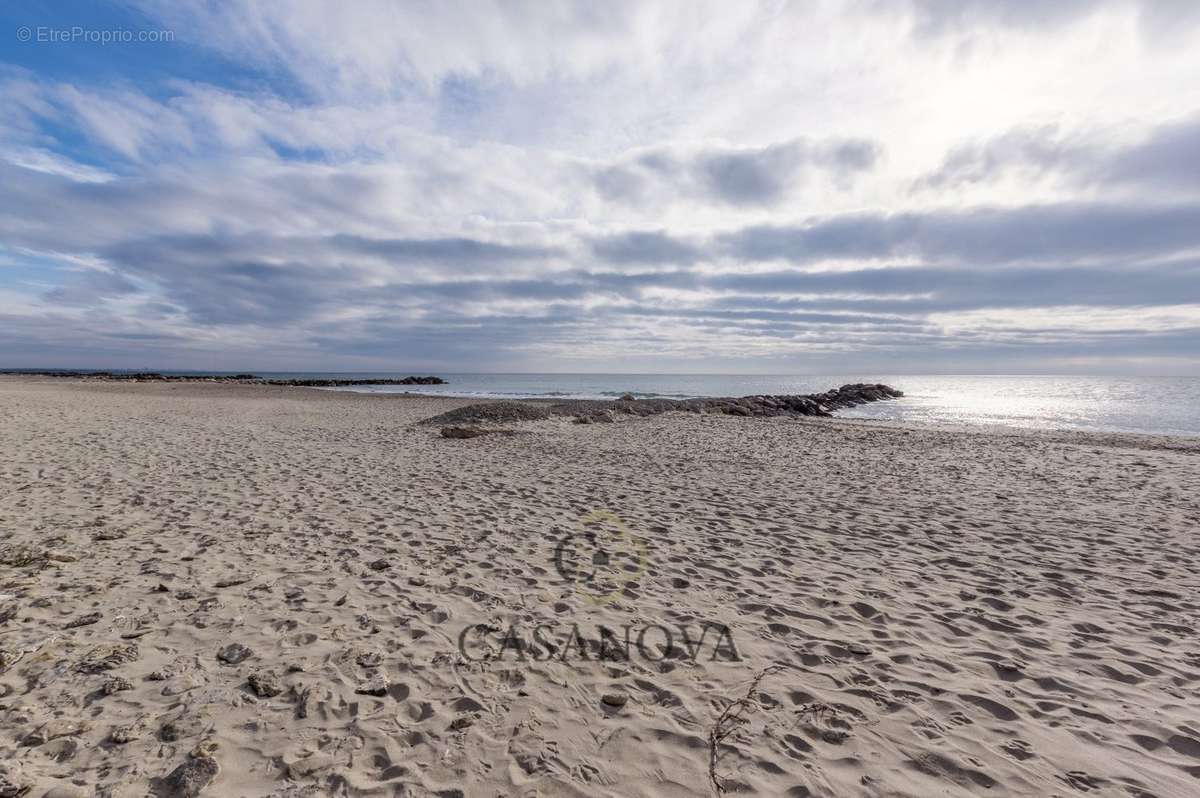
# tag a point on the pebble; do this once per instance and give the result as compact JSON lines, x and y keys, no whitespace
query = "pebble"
{"x":265,"y":684}
{"x":377,"y":685}
{"x":83,"y":620}
{"x":107,"y":657}
{"x":379,"y":565}
{"x":116,"y":684}
{"x":125,"y":734}
{"x":859,"y":649}
{"x":615,"y":700}
{"x":234,"y":653}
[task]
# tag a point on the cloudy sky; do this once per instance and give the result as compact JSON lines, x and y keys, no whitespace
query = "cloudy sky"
{"x":870,"y":186}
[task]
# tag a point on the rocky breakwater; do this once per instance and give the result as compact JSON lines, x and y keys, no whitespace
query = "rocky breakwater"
{"x":589,"y":411}
{"x":244,"y":379}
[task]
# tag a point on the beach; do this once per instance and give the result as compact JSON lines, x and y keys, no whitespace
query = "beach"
{"x":237,"y":590}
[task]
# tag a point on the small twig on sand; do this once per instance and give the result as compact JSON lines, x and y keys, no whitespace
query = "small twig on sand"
{"x":735,"y":715}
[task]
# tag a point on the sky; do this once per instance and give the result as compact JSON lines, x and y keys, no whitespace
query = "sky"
{"x":866,"y":186}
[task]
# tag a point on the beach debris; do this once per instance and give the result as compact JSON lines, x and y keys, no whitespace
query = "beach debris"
{"x":474,"y":432}
{"x":13,"y":783}
{"x":191,"y":777}
{"x":116,"y":684}
{"x":83,"y":620}
{"x":734,"y":716}
{"x":234,"y":653}
{"x":265,"y":684}
{"x":52,"y":730}
{"x":107,"y":657}
{"x":126,"y":733}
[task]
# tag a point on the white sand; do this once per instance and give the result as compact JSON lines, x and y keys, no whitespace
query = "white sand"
{"x":1023,"y":606}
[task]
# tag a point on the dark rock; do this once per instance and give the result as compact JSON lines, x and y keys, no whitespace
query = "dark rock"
{"x":822,"y":404}
{"x":377,"y":685}
{"x":234,"y":653}
{"x":190,"y":778}
{"x":492,"y":413}
{"x":473,"y":432}
{"x":627,"y":397}
{"x":379,"y":565}
{"x":265,"y":684}
{"x":106,"y":658}
{"x":116,"y":684}
{"x":83,"y":620}
{"x":614,"y":700}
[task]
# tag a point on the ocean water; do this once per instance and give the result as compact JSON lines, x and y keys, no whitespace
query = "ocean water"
{"x":1156,"y":405}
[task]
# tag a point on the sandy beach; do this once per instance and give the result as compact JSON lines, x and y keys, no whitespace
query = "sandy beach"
{"x":270,"y":591}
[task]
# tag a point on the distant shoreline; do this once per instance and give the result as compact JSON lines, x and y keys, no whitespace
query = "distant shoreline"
{"x":246,"y":378}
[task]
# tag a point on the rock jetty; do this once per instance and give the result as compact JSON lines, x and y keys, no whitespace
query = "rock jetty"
{"x":598,"y":411}
{"x":246,"y":379}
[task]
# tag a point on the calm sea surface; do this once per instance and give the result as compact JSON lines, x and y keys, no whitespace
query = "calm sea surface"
{"x":1157,"y":405}
{"x":1160,"y":405}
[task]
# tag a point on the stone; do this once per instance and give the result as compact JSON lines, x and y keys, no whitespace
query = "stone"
{"x":379,"y":565}
{"x":234,"y":653}
{"x":107,"y":657}
{"x":628,"y":397}
{"x":190,"y":778}
{"x":310,"y":766}
{"x":858,"y":649}
{"x":265,"y":684}
{"x":474,"y":432}
{"x":377,"y":686}
{"x":125,"y":734}
{"x":116,"y":684}
{"x":83,"y":620}
{"x":614,"y":700}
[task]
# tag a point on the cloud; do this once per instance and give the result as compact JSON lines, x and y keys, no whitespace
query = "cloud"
{"x":1165,"y":158}
{"x":734,"y":176}
{"x":504,"y":187}
{"x":1048,"y":234}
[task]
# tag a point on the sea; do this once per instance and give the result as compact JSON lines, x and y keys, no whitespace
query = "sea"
{"x":1153,"y":405}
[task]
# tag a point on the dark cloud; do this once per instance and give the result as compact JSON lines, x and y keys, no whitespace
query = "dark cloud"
{"x":1049,"y":234}
{"x":735,"y":176}
{"x":941,"y":17}
{"x":1166,"y":158}
{"x":644,"y":247}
